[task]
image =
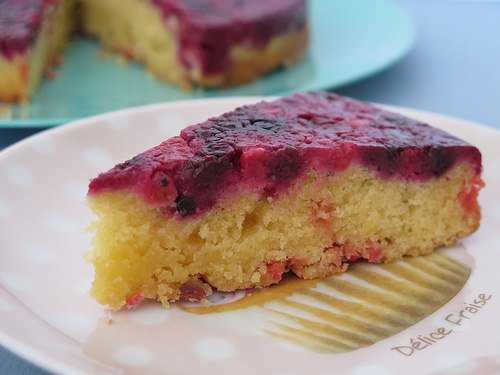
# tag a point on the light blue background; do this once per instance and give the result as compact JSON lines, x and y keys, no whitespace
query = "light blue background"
{"x":454,"y":69}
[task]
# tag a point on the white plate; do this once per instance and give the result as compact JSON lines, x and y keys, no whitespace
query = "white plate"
{"x":47,"y":316}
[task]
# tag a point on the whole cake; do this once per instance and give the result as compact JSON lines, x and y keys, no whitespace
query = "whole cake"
{"x":188,"y":43}
{"x":308,"y":184}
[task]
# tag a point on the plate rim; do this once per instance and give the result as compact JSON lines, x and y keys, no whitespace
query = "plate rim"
{"x":37,"y":357}
{"x":237,"y":99}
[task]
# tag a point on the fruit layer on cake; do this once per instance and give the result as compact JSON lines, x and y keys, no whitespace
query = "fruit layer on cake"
{"x":188,"y":43}
{"x":305,"y":184}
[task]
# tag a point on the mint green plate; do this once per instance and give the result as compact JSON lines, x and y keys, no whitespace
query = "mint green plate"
{"x":351,"y":39}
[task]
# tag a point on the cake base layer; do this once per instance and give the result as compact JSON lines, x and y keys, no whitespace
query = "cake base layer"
{"x":314,"y":229}
{"x":21,"y":74}
{"x":137,"y":30}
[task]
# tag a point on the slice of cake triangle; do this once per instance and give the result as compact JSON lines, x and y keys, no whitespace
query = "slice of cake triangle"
{"x":307,"y":184}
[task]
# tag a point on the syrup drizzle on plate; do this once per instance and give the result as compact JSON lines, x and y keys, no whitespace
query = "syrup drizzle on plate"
{"x":354,"y":310}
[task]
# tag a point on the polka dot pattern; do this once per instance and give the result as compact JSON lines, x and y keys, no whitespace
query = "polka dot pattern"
{"x":4,"y":306}
{"x":289,"y":347}
{"x":38,"y":255}
{"x":82,"y":287}
{"x":75,"y":191}
{"x":134,"y":356}
{"x":43,"y":148}
{"x":61,"y":224}
{"x":120,"y":125}
{"x":98,"y":158}
{"x":19,"y":176}
{"x":454,"y":361}
{"x":214,"y":349}
{"x":45,"y":277}
{"x":371,"y":370}
{"x":164,"y":127}
{"x":4,"y":211}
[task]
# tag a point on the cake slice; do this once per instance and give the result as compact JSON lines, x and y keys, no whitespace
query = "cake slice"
{"x":33,"y":34}
{"x":201,"y":42}
{"x":309,"y":184}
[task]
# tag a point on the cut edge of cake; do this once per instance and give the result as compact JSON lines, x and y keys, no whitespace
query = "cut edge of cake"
{"x":315,"y":229}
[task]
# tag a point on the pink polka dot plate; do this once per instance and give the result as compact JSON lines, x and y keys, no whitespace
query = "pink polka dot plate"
{"x":434,"y":315}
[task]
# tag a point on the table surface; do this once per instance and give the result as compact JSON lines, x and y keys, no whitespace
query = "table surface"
{"x":453,"y":69}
